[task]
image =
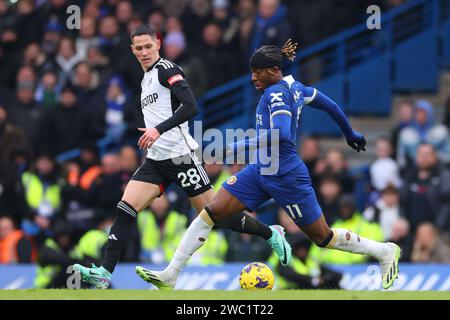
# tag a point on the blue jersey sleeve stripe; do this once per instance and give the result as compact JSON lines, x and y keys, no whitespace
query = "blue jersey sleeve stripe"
{"x":308,"y":100}
{"x":282,"y":112}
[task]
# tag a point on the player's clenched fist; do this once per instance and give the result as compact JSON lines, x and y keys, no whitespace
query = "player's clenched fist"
{"x":149,"y":136}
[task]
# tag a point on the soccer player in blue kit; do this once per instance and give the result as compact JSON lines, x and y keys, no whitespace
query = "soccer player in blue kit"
{"x":289,"y":185}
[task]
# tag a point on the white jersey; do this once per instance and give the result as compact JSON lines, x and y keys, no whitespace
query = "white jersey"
{"x":158,"y":104}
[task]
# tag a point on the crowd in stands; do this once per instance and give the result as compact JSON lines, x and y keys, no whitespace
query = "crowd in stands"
{"x":62,"y":89}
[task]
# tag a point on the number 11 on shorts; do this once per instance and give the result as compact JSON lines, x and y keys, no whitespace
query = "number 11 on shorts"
{"x":294,"y":211}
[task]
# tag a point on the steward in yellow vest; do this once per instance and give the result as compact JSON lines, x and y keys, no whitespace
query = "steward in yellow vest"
{"x":42,"y":193}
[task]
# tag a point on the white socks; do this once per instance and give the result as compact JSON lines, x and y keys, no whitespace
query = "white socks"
{"x":192,"y":240}
{"x":348,"y":241}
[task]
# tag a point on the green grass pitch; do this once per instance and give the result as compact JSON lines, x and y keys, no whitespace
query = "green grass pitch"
{"x":39,"y":294}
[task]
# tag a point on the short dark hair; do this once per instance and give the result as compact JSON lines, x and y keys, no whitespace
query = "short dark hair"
{"x":143,"y":29}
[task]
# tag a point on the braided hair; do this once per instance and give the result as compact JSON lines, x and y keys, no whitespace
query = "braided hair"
{"x":270,"y":56}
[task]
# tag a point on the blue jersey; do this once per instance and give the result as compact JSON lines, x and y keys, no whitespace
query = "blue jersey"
{"x":285,"y":97}
{"x":279,"y":108}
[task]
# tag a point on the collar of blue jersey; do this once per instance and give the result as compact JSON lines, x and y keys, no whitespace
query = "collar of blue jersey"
{"x":153,"y":65}
{"x":285,"y":81}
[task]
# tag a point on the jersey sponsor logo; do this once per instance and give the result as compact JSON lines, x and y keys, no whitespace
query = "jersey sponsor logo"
{"x":151,"y":98}
{"x":277,"y":104}
{"x":276,"y":97}
{"x":231,"y":180}
{"x":173,"y":79}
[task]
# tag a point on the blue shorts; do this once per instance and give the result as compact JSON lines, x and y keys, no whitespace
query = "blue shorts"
{"x":292,"y":191}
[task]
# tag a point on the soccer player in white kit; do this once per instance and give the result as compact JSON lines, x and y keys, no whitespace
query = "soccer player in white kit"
{"x":167,"y":104}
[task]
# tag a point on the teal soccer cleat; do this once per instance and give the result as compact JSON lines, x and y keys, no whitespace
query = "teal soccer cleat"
{"x":96,"y":276}
{"x":280,"y":245}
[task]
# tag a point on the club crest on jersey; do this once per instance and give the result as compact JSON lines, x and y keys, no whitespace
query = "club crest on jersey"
{"x":231,"y":180}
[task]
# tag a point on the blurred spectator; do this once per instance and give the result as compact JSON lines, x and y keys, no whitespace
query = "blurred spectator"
{"x":66,"y":59}
{"x":228,"y":23}
{"x":216,"y":56}
{"x":402,"y":237}
{"x":405,"y":119}
{"x":385,"y":211}
{"x":124,"y":13}
{"x":196,"y":16}
{"x":14,"y":161}
{"x":92,"y":10}
{"x":110,"y":40}
{"x":66,"y":126}
{"x":34,"y":57}
{"x":246,"y":247}
{"x":129,"y":163}
{"x":51,"y":38}
{"x":47,"y":90}
{"x":271,"y":26}
{"x":423,"y":130}
{"x":329,"y":193}
{"x":107,"y":187}
{"x":194,"y":69}
{"x":24,"y":110}
{"x":42,"y":192}
{"x":425,"y":195}
{"x":310,"y":154}
{"x":352,"y":220}
{"x":384,"y":170}
{"x":172,"y":7}
{"x":116,"y":116}
{"x":15,"y":246}
{"x":54,"y":10}
{"x":337,"y":165}
{"x":99,"y":63}
{"x":173,"y":24}
{"x":78,"y":198}
{"x":86,"y":82}
{"x":157,"y":20}
{"x":431,"y":245}
{"x":27,"y":22}
{"x":11,"y":137}
{"x":304,"y":272}
{"x":87,"y":37}
{"x":246,"y":10}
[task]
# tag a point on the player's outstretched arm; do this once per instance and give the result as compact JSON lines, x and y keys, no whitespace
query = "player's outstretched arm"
{"x":320,"y":101}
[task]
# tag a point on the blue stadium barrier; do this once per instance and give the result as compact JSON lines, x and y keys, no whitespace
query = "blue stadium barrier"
{"x":422,"y":277}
